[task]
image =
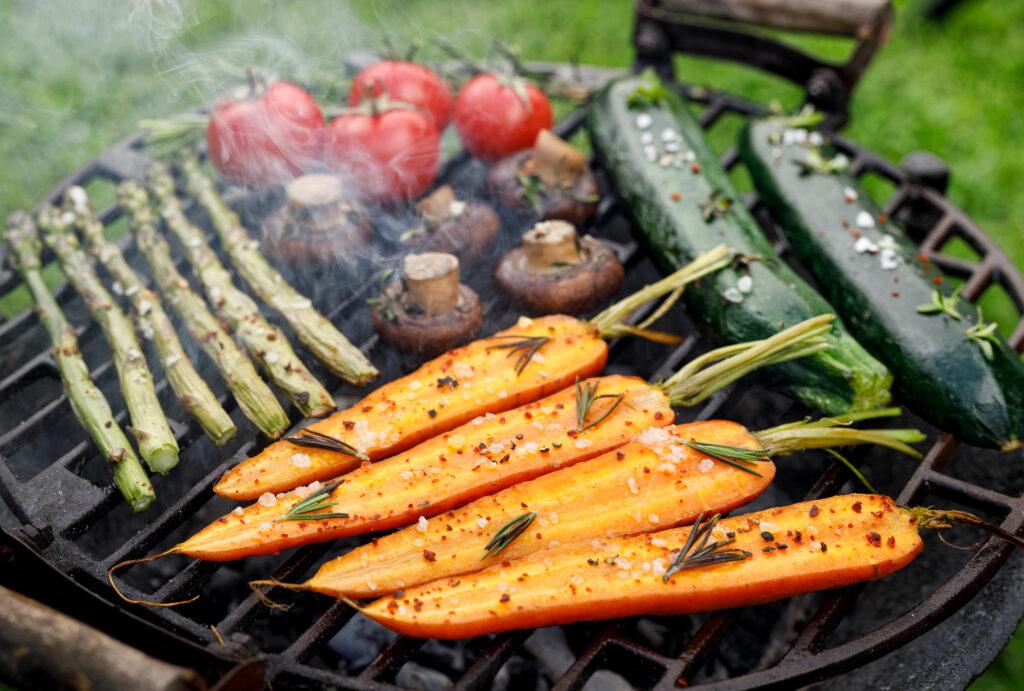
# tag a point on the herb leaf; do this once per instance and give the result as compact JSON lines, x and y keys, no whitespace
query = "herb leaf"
{"x":697,"y":552}
{"x":585,"y":397}
{"x":816,"y":163}
{"x":507,"y":534}
{"x":310,"y":508}
{"x":312,"y":439}
{"x":737,"y":457}
{"x":532,"y":191}
{"x":525,"y":346}
{"x":984,"y":335}
{"x":942,"y":304}
{"x":715,"y":206}
{"x":649,"y":92}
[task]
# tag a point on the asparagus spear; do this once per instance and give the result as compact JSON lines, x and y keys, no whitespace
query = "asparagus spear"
{"x":265,"y":342}
{"x":153,"y":324}
{"x":90,"y":406}
{"x":314,"y":330}
{"x":149,"y":426}
{"x":254,"y":397}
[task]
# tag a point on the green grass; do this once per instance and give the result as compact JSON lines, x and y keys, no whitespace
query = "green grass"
{"x":76,"y":75}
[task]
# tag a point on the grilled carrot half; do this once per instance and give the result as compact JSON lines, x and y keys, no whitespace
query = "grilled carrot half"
{"x":532,"y":359}
{"x":653,"y":483}
{"x":486,"y":455}
{"x":773,"y":554}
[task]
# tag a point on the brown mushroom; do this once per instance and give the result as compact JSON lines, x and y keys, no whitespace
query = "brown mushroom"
{"x":555,"y":271}
{"x":427,"y":310}
{"x":317,"y":223}
{"x":448,"y":224}
{"x":553,"y":178}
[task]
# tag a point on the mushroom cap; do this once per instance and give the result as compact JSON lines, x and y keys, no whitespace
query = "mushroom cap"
{"x":468,"y":235}
{"x":556,"y":202}
{"x":416,"y":332}
{"x":564,"y":289}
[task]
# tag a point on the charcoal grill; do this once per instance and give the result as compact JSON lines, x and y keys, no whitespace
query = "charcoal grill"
{"x":65,"y":524}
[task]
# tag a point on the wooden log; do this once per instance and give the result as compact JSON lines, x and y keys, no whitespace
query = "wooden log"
{"x":40,"y":648}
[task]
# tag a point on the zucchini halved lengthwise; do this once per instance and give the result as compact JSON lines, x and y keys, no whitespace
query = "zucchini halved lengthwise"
{"x":948,"y":367}
{"x":680,"y":200}
{"x":747,"y":560}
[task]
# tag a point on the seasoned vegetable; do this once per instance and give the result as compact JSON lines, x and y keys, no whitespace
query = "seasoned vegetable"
{"x":254,"y":397}
{"x":682,"y":202}
{"x":892,"y":298}
{"x":90,"y":405}
{"x":157,"y":445}
{"x":666,"y":477}
{"x":264,"y":342}
{"x":153,"y":324}
{"x":485,"y":455}
{"x":745,"y":560}
{"x":532,"y":359}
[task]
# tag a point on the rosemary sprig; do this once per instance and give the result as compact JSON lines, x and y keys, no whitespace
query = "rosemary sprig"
{"x":309,"y":508}
{"x":942,"y":304}
{"x":531,"y":191}
{"x":318,"y":440}
{"x":507,"y":534}
{"x":816,"y":163}
{"x":697,"y":552}
{"x":984,"y":335}
{"x":715,"y":207}
{"x":743,"y":459}
{"x":585,"y":397}
{"x":525,"y":346}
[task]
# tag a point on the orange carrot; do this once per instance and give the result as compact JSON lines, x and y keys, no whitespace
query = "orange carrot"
{"x":534,"y":358}
{"x":779,"y":553}
{"x":653,"y":483}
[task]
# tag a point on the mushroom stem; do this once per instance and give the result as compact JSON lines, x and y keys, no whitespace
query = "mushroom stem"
{"x":437,"y":207}
{"x":555,"y":161}
{"x":551,"y":243}
{"x":316,"y":198}
{"x":431,"y":281}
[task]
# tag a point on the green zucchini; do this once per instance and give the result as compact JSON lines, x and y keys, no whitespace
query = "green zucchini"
{"x":677,"y":217}
{"x":877,"y":283}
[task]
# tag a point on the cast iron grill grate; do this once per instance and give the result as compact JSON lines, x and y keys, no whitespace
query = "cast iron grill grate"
{"x":72,"y":518}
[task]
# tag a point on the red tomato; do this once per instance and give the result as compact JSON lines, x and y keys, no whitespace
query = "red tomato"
{"x":497,"y":116}
{"x":388,"y":155}
{"x":407,"y":82}
{"x":267,"y":138}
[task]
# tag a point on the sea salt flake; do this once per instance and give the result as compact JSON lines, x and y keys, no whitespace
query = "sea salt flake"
{"x":888,"y":259}
{"x":462,"y":370}
{"x":117,"y":288}
{"x":643,"y":121}
{"x":654,"y":518}
{"x":850,"y":194}
{"x":668,"y":135}
{"x":651,"y":152}
{"x":745,"y":284}
{"x":267,"y":499}
{"x":864,"y":244}
{"x":421,"y":524}
{"x":632,"y":486}
{"x":131,"y":290}
{"x":706,"y":465}
{"x":405,"y":475}
{"x":272,"y":357}
{"x":237,"y":511}
{"x":582,"y":443}
{"x":265,"y":525}
{"x":482,"y":522}
{"x":865,"y":220}
{"x":815,"y":139}
{"x":646,"y":138}
{"x":301,"y":460}
{"x":732,"y":294}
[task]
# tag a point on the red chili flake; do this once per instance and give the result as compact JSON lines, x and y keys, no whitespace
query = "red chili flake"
{"x":695,"y":167}
{"x":937,"y":280}
{"x":845,"y":223}
{"x":417,"y":604}
{"x":814,"y":510}
{"x":882,"y":218}
{"x":398,"y":594}
{"x":797,"y":537}
{"x":855,"y":233}
{"x":856,"y":507}
{"x":891,"y":541}
{"x":619,"y":456}
{"x":501,"y":420}
{"x":528,"y":415}
{"x":895,"y":293}
{"x":876,"y":514}
{"x":505,"y":597}
{"x":432,"y":413}
{"x":560,"y":406}
{"x":659,"y":415}
{"x":429,"y":556}
{"x":366,"y":409}
{"x":676,"y":196}
{"x":824,"y":547}
{"x":923,"y":258}
{"x":348,"y":424}
{"x":874,"y":539}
